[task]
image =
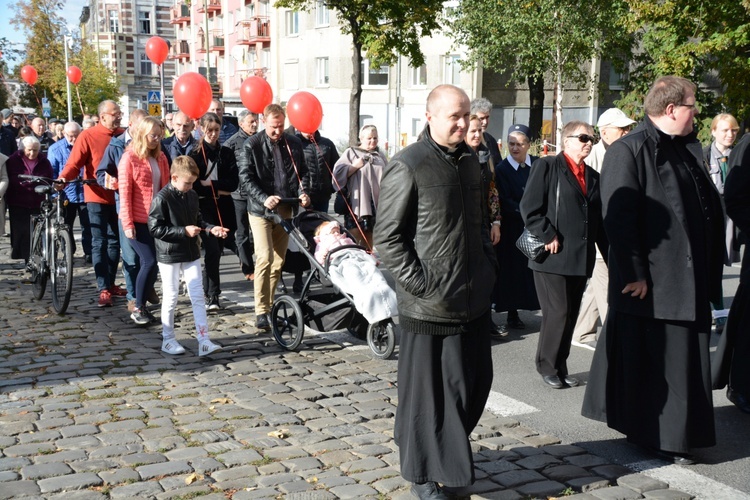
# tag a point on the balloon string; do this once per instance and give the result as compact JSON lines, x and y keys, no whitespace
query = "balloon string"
{"x":294,"y":164}
{"x":216,"y":203}
{"x":79,"y":100}
{"x":338,"y":186}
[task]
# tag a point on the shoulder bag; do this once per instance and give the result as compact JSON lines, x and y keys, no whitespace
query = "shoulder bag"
{"x":531,"y":245}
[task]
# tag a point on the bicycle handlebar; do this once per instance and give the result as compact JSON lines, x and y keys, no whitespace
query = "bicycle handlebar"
{"x":49,"y":181}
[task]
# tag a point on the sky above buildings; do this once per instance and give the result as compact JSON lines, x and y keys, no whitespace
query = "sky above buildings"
{"x":71,"y":13}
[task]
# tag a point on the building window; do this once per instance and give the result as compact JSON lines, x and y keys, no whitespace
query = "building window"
{"x":322,"y":71}
{"x":322,"y":14}
{"x":418,"y":76}
{"x":114,"y":20}
{"x":374,"y":76}
{"x":616,"y":79}
{"x":416,"y":126}
{"x":146,"y":66}
{"x":292,"y":22}
{"x":144,"y":22}
{"x":452,"y":69}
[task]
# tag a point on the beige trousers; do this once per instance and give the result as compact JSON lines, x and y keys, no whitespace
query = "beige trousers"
{"x":270,"y":242}
{"x":593,"y":304}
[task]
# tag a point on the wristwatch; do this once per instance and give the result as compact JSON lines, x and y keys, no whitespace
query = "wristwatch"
{"x":497,"y":223}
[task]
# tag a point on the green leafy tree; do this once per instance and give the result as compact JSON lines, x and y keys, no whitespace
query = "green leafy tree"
{"x":537,"y":40}
{"x":702,"y":41}
{"x":41,"y":22}
{"x":7,"y":54}
{"x":382,"y":29}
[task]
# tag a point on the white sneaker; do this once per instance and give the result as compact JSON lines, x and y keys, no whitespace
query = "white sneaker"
{"x":207,"y":347}
{"x":171,"y":346}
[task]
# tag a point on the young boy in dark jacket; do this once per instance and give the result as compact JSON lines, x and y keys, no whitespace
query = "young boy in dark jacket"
{"x":175,"y":223}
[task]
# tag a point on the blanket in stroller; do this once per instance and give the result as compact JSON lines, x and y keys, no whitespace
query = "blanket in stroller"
{"x":355,"y":272}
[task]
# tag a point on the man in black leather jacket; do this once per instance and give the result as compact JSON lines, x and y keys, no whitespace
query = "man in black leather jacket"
{"x":432,"y":237}
{"x":271,"y":168}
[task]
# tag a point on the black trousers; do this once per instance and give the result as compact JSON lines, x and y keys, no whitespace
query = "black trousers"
{"x":243,"y":237}
{"x":560,"y":298}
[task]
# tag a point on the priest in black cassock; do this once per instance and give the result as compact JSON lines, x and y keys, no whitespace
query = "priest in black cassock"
{"x":650,"y":378}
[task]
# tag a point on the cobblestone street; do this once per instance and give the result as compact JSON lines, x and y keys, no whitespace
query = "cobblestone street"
{"x":91,"y":408}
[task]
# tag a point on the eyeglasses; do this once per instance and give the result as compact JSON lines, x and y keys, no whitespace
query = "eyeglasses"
{"x":584,"y":138}
{"x":154,"y":137}
{"x":116,"y":115}
{"x":691,"y":106}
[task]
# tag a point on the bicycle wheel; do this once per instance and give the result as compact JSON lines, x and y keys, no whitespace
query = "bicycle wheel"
{"x":287,"y":322}
{"x":61,"y":269}
{"x":36,"y":261}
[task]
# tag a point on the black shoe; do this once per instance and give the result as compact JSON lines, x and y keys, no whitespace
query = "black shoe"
{"x":739,"y":400}
{"x":212,"y":303}
{"x":281,"y":288}
{"x":672,"y":457}
{"x":262,"y":322}
{"x":150,"y":315}
{"x":553,"y":381}
{"x":498,"y":331}
{"x":516,"y":323}
{"x":428,"y":491}
{"x":87,"y":259}
{"x":571,"y":381}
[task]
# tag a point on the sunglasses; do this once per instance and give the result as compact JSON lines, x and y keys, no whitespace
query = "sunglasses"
{"x":584,"y":138}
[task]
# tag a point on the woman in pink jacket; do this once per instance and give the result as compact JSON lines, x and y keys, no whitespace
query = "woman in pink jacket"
{"x":142,"y":172}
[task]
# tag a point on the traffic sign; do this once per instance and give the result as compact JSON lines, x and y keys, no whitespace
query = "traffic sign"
{"x":154,"y":109}
{"x":154,"y":97}
{"x":46,"y":112}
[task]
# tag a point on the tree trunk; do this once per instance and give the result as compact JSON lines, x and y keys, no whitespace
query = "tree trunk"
{"x":558,"y":108}
{"x":356,"y":94}
{"x":536,"y":107}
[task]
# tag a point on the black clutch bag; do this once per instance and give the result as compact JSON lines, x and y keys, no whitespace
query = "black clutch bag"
{"x":532,"y":246}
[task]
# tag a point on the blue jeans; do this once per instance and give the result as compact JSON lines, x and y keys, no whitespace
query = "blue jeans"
{"x":143,"y":244}
{"x":105,"y":244}
{"x":130,"y":263}
{"x":82,"y":211}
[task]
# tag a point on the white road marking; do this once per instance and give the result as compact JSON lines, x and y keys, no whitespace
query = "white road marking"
{"x":683,"y":479}
{"x":505,"y":406}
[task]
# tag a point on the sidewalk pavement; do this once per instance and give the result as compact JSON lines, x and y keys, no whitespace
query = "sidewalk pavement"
{"x":91,"y":408}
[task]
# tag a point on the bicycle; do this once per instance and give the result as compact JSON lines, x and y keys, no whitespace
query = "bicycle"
{"x":51,"y":255}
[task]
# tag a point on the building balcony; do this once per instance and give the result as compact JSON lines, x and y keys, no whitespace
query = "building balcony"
{"x":180,"y":50}
{"x":216,"y":41}
{"x":254,"y":30}
{"x":179,"y":13}
{"x":208,"y":5}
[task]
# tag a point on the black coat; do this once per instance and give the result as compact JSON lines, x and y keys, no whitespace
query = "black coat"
{"x":237,"y":143}
{"x":431,"y":234}
{"x":226,"y":170}
{"x":578,"y":217}
{"x":645,"y":221}
{"x":256,"y":167}
{"x":320,"y":160}
{"x":171,"y":211}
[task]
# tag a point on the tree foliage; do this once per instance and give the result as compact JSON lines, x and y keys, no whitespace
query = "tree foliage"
{"x":551,"y":40}
{"x":706,"y":42}
{"x":7,"y":54}
{"x":381,"y":29}
{"x":44,"y":28}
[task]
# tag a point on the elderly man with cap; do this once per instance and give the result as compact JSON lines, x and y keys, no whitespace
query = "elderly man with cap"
{"x":612,"y":125}
{"x":514,"y":288}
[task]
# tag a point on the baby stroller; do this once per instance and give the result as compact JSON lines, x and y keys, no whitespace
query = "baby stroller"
{"x":326,"y":308}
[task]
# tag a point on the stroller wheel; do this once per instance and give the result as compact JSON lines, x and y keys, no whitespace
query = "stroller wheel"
{"x":381,"y":337}
{"x":287,"y":322}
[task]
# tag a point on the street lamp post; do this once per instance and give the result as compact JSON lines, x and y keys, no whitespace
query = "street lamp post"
{"x":66,"y":38}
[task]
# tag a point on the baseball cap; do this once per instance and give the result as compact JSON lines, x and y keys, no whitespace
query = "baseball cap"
{"x":613,"y":117}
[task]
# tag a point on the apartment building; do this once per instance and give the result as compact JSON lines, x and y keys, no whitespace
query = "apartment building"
{"x":120,"y":30}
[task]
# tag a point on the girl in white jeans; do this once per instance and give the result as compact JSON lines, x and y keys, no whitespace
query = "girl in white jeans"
{"x":175,"y":223}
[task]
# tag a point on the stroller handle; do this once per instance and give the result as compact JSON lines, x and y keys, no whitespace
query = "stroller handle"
{"x":290,"y":201}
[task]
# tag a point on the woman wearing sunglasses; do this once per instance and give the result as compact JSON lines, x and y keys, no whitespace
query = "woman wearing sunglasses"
{"x":562,"y":206}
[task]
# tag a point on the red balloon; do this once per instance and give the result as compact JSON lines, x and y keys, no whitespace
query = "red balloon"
{"x":305,"y":112}
{"x":192,"y":94}
{"x":29,"y":74}
{"x":157,"y":50}
{"x":74,"y":74}
{"x":256,"y":94}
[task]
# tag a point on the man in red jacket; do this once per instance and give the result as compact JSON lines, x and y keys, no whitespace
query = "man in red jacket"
{"x":87,"y":153}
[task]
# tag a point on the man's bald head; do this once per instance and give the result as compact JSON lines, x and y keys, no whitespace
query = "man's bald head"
{"x":136,"y":116}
